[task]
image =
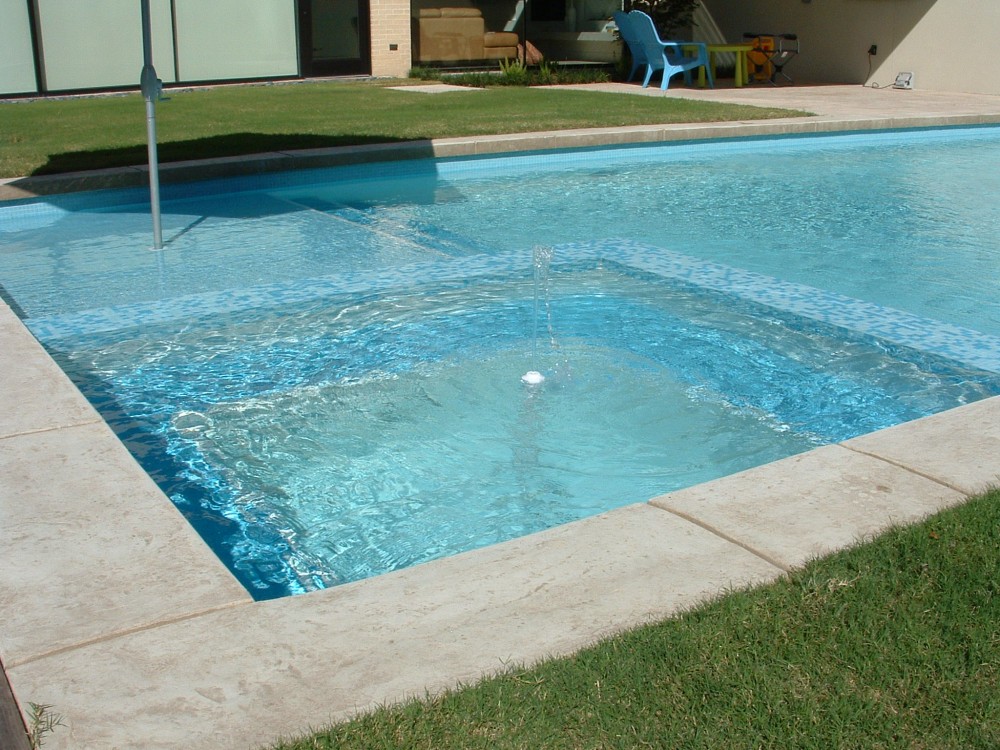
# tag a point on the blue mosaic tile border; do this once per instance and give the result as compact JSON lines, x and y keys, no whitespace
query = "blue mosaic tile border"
{"x":963,"y":345}
{"x":103,"y":320}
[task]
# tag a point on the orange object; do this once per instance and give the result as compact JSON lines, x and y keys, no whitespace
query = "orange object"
{"x":759,"y":58}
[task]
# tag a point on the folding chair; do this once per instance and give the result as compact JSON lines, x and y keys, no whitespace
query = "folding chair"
{"x":770,"y":54}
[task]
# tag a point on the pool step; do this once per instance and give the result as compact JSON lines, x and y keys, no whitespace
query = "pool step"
{"x":963,"y":345}
{"x":398,"y":224}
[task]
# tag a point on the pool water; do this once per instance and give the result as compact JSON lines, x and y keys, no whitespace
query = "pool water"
{"x":324,"y":372}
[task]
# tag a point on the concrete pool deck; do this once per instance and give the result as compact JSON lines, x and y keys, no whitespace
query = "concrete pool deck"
{"x":117,"y":615}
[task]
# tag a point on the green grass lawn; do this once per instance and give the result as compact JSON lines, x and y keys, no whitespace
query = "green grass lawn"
{"x":891,"y":644}
{"x":64,"y":135}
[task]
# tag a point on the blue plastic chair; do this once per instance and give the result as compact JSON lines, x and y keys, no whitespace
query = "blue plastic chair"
{"x":635,"y":49}
{"x":668,"y":57}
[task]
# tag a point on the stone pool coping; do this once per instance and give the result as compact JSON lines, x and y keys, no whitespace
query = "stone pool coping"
{"x":118,"y":615}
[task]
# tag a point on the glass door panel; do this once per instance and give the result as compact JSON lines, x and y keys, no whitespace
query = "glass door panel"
{"x":334,"y":37}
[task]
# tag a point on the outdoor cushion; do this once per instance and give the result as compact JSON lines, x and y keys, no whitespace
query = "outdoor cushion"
{"x":460,"y":13}
{"x":449,"y":35}
{"x":500,"y":39}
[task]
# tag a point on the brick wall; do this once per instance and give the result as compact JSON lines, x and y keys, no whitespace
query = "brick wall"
{"x":391,"y":51}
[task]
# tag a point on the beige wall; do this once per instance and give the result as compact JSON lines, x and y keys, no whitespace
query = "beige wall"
{"x":390,"y":28}
{"x":949,"y":45}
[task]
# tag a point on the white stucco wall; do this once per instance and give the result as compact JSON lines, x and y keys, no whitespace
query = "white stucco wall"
{"x":949,"y":45}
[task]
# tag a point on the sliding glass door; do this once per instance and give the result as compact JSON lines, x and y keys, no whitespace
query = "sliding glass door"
{"x":334,"y":37}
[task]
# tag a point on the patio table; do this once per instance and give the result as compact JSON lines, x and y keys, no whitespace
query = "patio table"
{"x":740,"y":52}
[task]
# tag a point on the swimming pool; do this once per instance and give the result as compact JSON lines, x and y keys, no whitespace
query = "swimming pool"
{"x":289,"y":367}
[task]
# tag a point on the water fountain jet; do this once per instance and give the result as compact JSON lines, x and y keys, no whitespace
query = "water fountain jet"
{"x":541,"y":258}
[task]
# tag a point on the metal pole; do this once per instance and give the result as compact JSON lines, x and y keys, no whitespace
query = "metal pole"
{"x":151,"y":87}
{"x":524,"y":25}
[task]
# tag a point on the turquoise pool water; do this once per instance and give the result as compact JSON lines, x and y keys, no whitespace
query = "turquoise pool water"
{"x":322,"y":370}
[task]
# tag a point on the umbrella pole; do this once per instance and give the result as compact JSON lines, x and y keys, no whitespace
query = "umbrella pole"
{"x":154,"y":174}
{"x":151,"y":87}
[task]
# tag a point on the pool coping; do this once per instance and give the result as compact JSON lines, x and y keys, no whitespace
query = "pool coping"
{"x":124,"y":621}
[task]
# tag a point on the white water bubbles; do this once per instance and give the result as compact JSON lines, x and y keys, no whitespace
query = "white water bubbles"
{"x":541,"y":263}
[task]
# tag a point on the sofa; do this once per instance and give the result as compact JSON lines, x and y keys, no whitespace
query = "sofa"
{"x":459,"y":35}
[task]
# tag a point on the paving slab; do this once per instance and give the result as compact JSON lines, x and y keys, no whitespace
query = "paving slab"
{"x":35,"y":394}
{"x":794,"y":510}
{"x":92,"y":547}
{"x":243,"y":676}
{"x":871,"y":105}
{"x":434,"y":88}
{"x":959,"y":447}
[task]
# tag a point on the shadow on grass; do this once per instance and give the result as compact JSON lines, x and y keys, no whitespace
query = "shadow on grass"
{"x":209,"y":147}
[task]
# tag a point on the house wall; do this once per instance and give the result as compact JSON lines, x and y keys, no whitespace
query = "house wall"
{"x":390,"y":28}
{"x":949,"y":45}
